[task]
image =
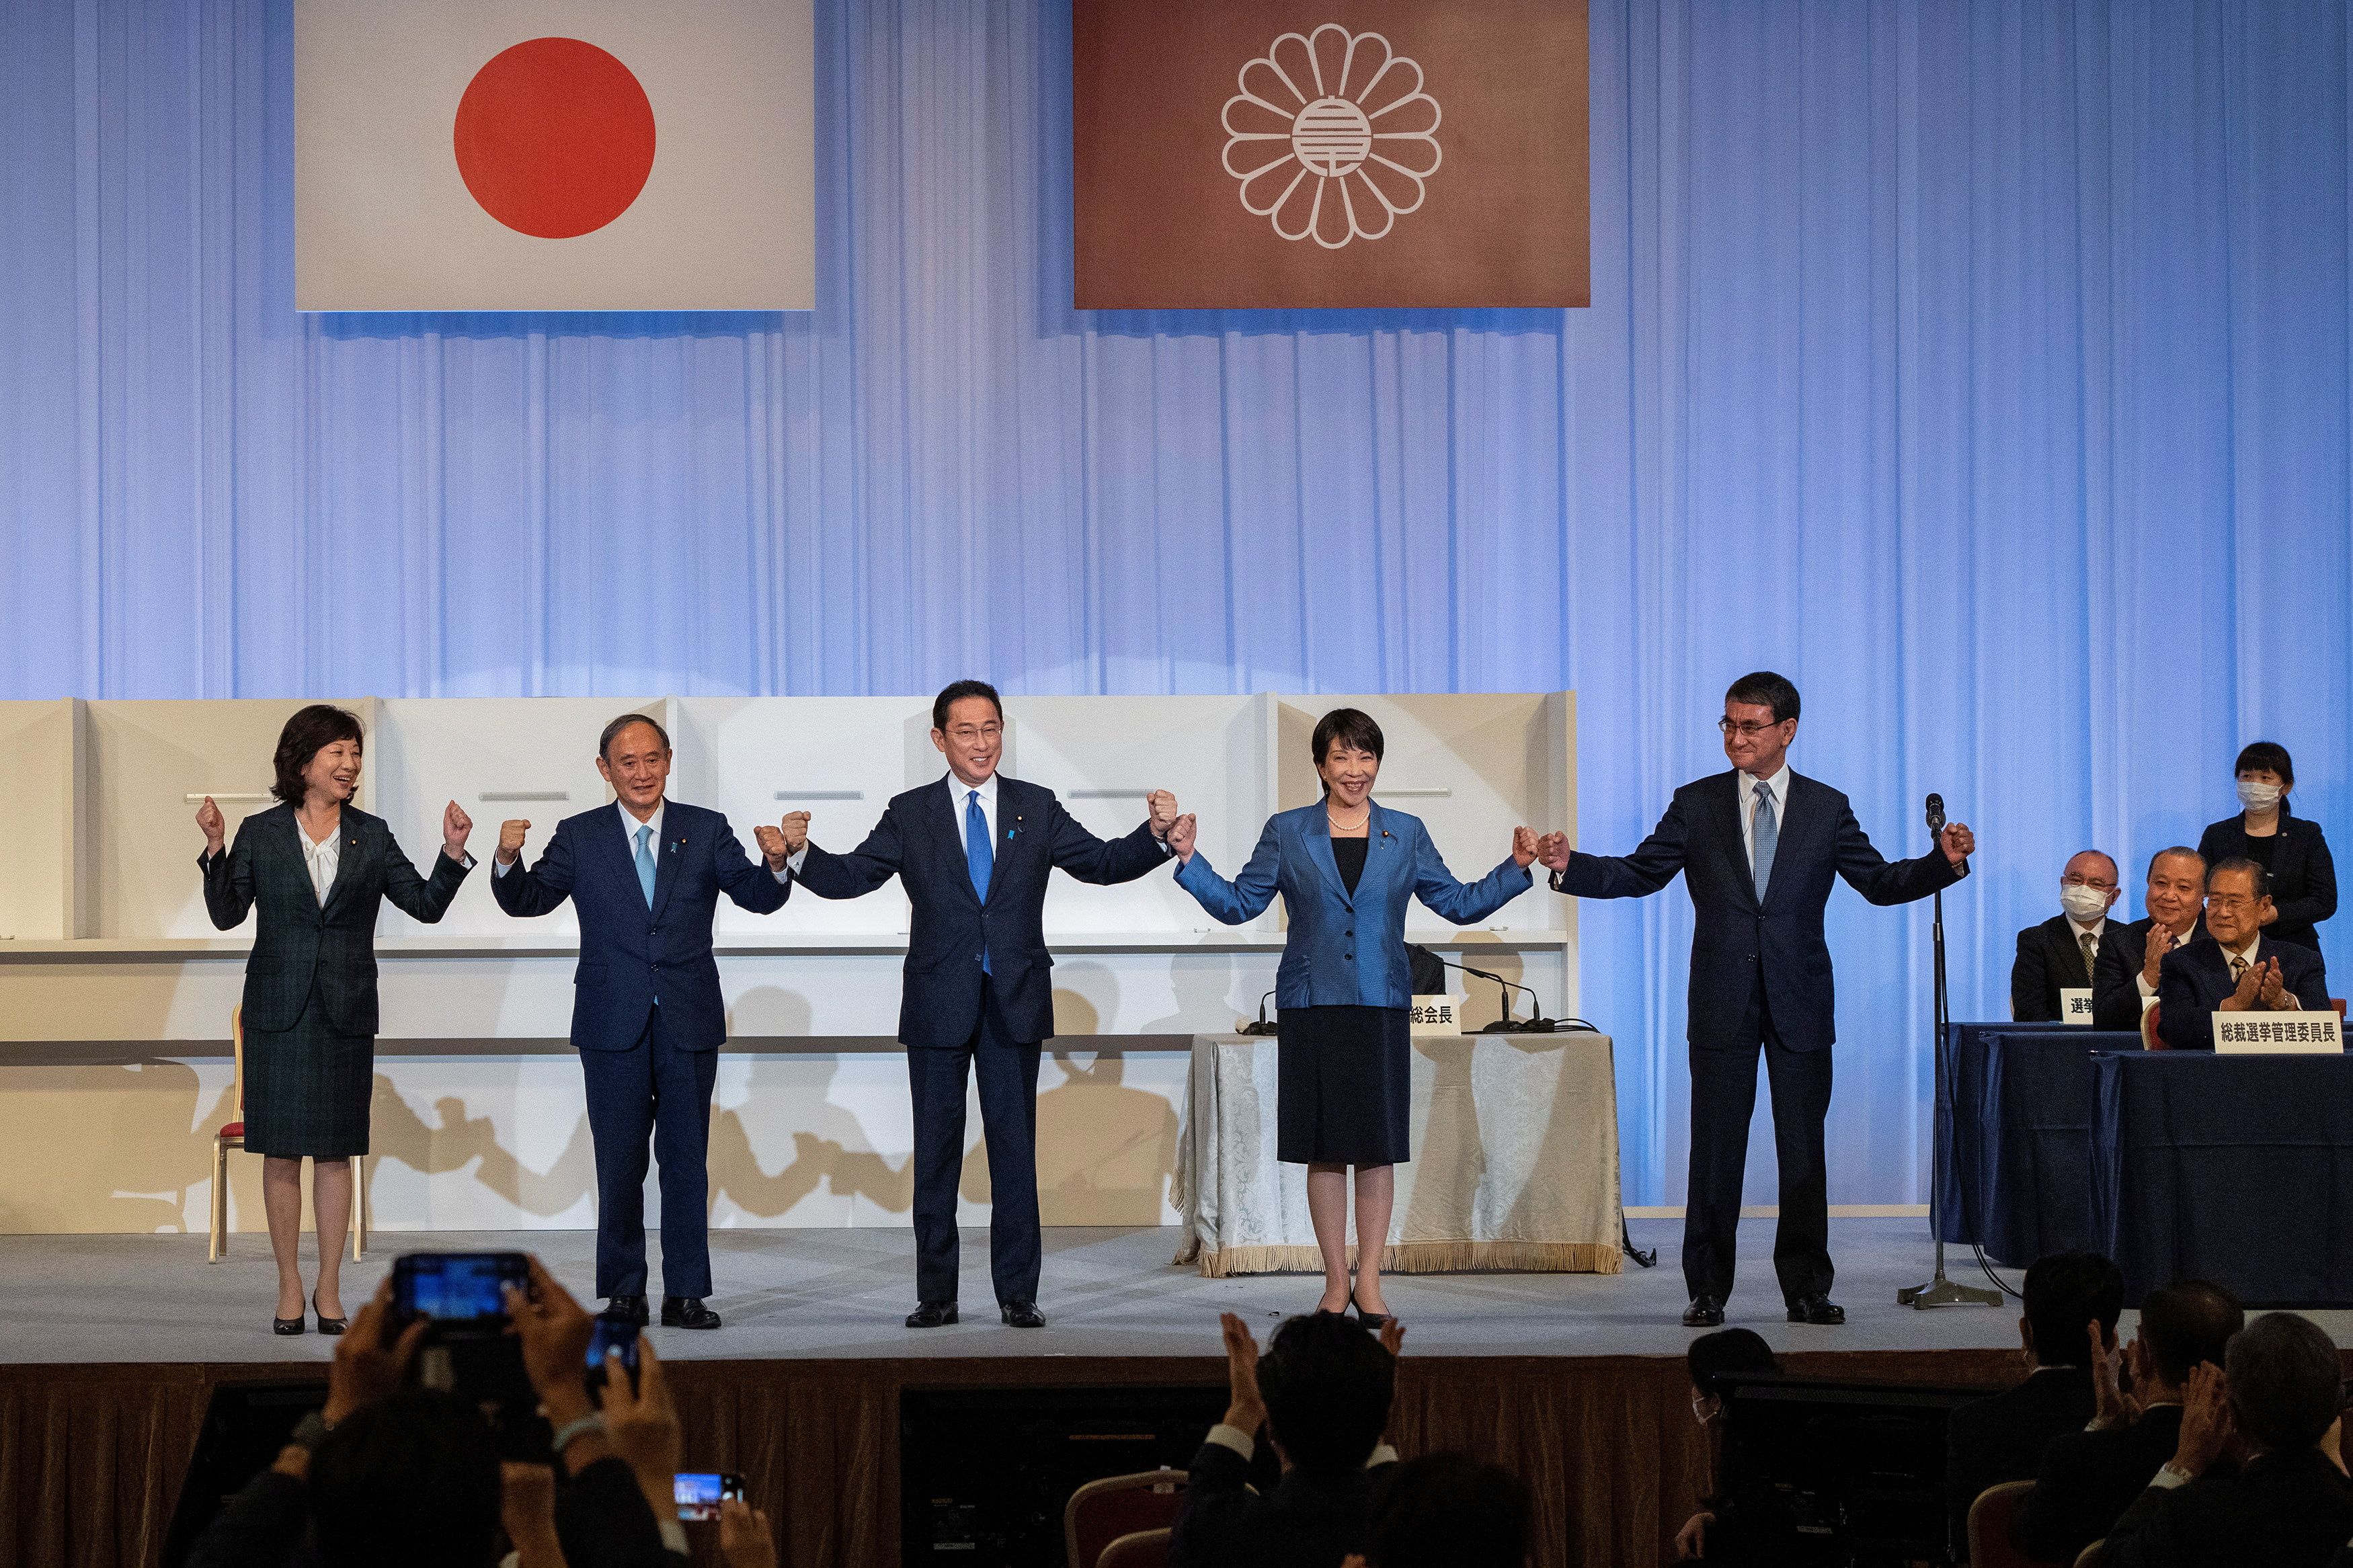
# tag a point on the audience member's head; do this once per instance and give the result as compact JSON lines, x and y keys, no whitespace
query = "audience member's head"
{"x":2286,"y":1383}
{"x":2088,"y":886}
{"x":1728,"y":1352}
{"x":2238,"y":892}
{"x":411,"y":1479}
{"x":2186,"y":1322}
{"x":2063,"y":1293}
{"x":2177,"y":885}
{"x":1327,"y":1385}
{"x":1448,"y":1511}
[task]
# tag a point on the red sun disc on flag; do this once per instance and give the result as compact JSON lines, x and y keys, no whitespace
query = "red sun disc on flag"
{"x":554,"y":138}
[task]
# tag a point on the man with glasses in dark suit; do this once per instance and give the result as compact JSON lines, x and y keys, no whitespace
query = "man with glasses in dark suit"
{"x":1758,"y":849}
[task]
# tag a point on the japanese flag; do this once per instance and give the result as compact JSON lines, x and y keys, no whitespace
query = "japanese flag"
{"x":553,"y":155}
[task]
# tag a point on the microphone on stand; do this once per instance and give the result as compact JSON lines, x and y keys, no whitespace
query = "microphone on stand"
{"x":1506,"y":1024}
{"x":1937,"y":829}
{"x":1261,"y":1026}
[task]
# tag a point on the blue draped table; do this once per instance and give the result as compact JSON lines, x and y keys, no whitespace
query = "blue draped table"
{"x":2016,"y":1122}
{"x":2237,"y":1169}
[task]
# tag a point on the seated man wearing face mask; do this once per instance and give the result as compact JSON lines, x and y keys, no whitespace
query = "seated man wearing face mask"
{"x":2064,"y":952}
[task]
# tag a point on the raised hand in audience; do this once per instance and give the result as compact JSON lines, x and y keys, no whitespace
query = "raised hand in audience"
{"x":1552,"y":850}
{"x":1524,"y":846}
{"x":367,"y":1367}
{"x":555,"y":1332}
{"x":527,"y":1510}
{"x":2111,"y":1404}
{"x":1245,"y":1410}
{"x":1691,"y":1540}
{"x":212,"y":824}
{"x":511,"y":835}
{"x":1180,"y":835}
{"x":745,"y":1538}
{"x":641,"y":1425}
{"x":2208,"y":1428}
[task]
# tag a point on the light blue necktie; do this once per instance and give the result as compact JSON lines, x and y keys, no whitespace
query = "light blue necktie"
{"x":979,"y":855}
{"x":1766,"y":835}
{"x":646,"y":862}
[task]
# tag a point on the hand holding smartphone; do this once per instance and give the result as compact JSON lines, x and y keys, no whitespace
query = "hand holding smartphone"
{"x":700,"y":1493}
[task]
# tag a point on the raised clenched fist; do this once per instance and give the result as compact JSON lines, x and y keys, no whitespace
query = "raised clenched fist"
{"x":456,"y":828}
{"x":1524,"y":846}
{"x":1163,"y":806}
{"x":772,"y":846}
{"x":511,"y":835}
{"x":1552,"y":850}
{"x":1180,"y":835}
{"x":795,"y":827}
{"x":214,"y":826}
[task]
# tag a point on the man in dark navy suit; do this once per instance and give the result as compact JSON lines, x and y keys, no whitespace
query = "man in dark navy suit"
{"x":1758,"y":849}
{"x":974,"y":852}
{"x":2235,"y":967}
{"x":645,"y":873}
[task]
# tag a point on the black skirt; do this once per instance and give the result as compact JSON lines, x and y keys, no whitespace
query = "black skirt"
{"x":307,"y":1088}
{"x":1344,"y":1085}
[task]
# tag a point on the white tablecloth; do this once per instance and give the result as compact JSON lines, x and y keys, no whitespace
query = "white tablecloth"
{"x":1515,"y":1161}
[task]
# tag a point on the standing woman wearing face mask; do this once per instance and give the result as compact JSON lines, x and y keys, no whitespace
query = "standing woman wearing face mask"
{"x":2304,"y":876}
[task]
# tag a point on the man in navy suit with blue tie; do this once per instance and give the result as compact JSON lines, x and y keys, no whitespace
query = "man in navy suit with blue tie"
{"x":646,"y":873}
{"x":974,"y":852}
{"x":1758,"y":849}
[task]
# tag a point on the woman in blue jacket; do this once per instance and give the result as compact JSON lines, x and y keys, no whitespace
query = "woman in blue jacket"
{"x":1344,"y":867}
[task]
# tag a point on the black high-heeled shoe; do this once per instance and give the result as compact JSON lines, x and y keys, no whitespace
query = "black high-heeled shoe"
{"x":1322,"y":1311}
{"x":1373,"y":1321}
{"x":283,"y":1326}
{"x":327,"y":1325}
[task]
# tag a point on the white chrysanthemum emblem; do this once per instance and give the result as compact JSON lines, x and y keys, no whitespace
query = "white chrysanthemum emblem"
{"x":1331,"y":136}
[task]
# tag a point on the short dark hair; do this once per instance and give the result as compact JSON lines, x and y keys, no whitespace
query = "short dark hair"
{"x":1350,"y":727}
{"x":2177,"y":849}
{"x":2064,"y":1291}
{"x":1728,"y":1352}
{"x":2254,"y":869}
{"x":1327,"y":1385}
{"x":956,"y":691}
{"x":1764,"y":689}
{"x":2266,"y":756}
{"x":412,"y":1480}
{"x":613,"y":733}
{"x":312,"y":731}
{"x":1448,"y":1510}
{"x":2188,"y":1322}
{"x":2285,"y":1380}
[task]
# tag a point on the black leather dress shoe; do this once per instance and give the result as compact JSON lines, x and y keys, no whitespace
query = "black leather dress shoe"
{"x":687,"y":1313}
{"x":1819,"y":1310}
{"x":932,"y":1315}
{"x":1705,"y":1313}
{"x":1022,"y":1315}
{"x":626,"y":1310}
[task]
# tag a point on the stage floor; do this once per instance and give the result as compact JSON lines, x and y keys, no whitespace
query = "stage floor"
{"x":841,"y":1293}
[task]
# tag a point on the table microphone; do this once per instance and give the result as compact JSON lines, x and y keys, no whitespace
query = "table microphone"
{"x":1261,"y":1026}
{"x":1937,"y":830}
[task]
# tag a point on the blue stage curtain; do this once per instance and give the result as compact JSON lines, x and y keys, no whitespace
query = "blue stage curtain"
{"x":1982,"y":365}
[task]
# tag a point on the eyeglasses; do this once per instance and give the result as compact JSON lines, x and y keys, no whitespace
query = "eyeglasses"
{"x":968,"y":733}
{"x":1743,"y":727}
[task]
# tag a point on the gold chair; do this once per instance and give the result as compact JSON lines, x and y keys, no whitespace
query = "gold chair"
{"x":232,"y":1136}
{"x":1114,"y":1506}
{"x":1989,"y":1519}
{"x":1143,"y":1549}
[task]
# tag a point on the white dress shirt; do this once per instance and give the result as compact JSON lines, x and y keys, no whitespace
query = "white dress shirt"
{"x":322,"y":857}
{"x":960,"y":794}
{"x":2179,"y":940}
{"x":1777,"y":786}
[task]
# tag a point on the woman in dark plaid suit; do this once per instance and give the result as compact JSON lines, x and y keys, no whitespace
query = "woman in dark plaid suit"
{"x":318,"y":867}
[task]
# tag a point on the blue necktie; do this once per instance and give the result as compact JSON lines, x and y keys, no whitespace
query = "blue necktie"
{"x":1765,"y":833}
{"x":646,"y":862}
{"x":978,"y":854}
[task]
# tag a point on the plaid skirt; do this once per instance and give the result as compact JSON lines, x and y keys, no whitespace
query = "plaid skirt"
{"x":307,"y":1088}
